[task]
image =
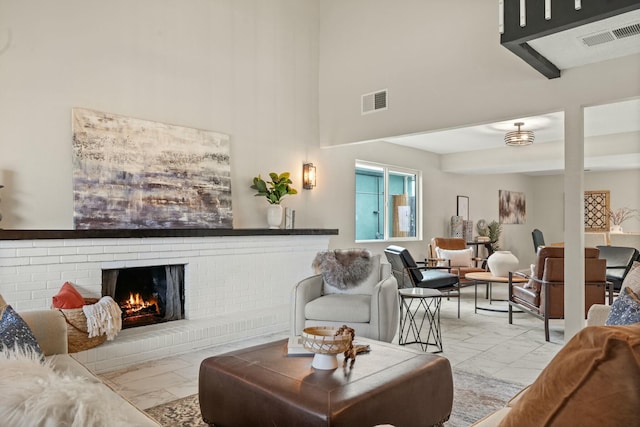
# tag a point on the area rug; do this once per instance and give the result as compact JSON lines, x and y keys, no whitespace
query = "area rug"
{"x":474,"y":397}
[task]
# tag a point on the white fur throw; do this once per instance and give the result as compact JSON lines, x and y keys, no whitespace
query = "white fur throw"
{"x":32,"y":394}
{"x":344,"y":268}
{"x":103,"y":317}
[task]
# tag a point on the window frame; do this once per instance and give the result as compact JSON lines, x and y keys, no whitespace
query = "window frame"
{"x":388,"y":169}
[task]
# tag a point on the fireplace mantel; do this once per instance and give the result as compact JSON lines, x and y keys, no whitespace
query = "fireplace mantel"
{"x":171,"y":232}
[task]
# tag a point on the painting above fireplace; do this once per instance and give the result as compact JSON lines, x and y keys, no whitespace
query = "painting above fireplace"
{"x":131,"y":174}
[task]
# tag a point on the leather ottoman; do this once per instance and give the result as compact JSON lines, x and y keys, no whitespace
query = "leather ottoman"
{"x":261,"y":386}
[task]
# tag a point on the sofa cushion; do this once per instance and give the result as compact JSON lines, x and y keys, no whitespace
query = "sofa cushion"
{"x":14,"y":332}
{"x":68,"y":297}
{"x":584,"y":383}
{"x":632,"y":279}
{"x":2,"y":302}
{"x":625,"y":310}
{"x":340,"y":308}
{"x":455,"y":257}
{"x":528,"y":295}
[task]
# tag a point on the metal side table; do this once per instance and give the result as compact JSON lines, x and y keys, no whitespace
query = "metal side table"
{"x":412,"y":300}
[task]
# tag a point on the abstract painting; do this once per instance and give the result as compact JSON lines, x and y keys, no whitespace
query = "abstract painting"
{"x":137,"y":174}
{"x":511,"y":207}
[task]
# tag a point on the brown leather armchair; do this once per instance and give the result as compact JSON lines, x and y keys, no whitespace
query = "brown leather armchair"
{"x":474,"y":264}
{"x":543,"y":295}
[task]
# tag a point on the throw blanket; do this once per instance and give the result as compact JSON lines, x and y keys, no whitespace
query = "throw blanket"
{"x":103,"y":317}
{"x":343,"y":268}
{"x":33,"y":393}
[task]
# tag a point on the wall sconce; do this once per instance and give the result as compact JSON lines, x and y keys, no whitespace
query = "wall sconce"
{"x":308,"y":176}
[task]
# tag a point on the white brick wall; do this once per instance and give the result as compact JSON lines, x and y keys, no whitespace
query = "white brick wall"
{"x":235,"y":287}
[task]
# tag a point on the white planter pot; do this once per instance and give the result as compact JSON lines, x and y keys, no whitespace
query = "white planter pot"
{"x":501,"y":263}
{"x":274,"y":216}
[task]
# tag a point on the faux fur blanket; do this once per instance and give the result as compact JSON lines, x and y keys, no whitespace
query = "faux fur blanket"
{"x":343,"y":268}
{"x":103,"y":317}
{"x":33,"y":394}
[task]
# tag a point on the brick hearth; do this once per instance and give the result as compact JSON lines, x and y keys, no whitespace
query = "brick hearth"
{"x":236,"y":287}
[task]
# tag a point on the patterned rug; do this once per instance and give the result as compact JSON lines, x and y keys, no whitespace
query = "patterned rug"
{"x":474,"y":397}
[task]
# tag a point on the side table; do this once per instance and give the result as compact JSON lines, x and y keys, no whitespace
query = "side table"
{"x":489,"y":279}
{"x":410,"y":321}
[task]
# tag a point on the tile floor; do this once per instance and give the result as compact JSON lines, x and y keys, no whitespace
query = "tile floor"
{"x":481,"y":343}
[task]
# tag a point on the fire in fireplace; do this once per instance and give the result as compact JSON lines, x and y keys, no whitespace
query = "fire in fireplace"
{"x":146,"y":295}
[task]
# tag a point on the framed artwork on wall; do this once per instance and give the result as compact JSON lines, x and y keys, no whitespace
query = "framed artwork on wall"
{"x":130,"y":173}
{"x":463,"y":207}
{"x":596,"y":210}
{"x":512,"y":207}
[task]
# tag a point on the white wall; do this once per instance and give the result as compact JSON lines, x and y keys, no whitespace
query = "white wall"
{"x":254,"y":69}
{"x":548,"y":193}
{"x":336,"y":206}
{"x":246,"y":68}
{"x":444,"y":67}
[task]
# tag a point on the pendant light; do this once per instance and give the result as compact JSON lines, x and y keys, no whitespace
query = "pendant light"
{"x":519,"y":137}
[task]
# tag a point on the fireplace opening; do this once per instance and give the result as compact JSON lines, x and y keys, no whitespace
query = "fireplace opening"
{"x":146,"y":295}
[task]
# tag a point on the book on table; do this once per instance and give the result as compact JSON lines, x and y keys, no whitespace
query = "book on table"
{"x":295,"y":347}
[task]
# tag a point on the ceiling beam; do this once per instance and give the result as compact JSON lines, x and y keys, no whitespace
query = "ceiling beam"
{"x":564,"y":16}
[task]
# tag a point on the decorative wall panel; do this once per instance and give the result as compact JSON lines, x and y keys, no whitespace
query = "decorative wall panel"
{"x":596,"y":210}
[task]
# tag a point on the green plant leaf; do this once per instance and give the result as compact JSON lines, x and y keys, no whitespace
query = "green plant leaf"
{"x":276,"y":189}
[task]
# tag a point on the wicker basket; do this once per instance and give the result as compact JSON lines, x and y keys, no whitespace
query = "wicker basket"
{"x":77,"y":334}
{"x":323,"y":340}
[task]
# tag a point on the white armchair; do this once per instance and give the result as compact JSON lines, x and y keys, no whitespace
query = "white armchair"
{"x":373,"y":315}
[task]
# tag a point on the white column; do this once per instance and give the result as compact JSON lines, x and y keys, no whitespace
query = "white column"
{"x":573,"y":220}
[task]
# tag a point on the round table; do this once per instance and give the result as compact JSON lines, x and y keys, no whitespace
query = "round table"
{"x":488,"y":278}
{"x":412,"y":323}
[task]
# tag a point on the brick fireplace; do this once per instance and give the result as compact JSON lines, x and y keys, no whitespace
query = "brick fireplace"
{"x":232,"y":290}
{"x":146,"y":295}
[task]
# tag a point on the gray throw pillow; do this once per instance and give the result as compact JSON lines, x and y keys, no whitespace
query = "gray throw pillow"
{"x":625,"y":310}
{"x":14,"y":332}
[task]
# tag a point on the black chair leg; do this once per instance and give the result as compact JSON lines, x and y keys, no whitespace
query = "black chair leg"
{"x":546,"y":328}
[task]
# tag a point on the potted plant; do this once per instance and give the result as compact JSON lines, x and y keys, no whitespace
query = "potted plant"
{"x":495,"y":229}
{"x":492,"y":231}
{"x":274,"y":191}
{"x":620,"y":215}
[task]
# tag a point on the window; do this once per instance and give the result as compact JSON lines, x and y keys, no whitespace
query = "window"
{"x":386,"y":202}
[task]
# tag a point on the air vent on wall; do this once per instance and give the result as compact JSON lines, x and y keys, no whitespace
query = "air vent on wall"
{"x":374,"y":101}
{"x":612,"y":35}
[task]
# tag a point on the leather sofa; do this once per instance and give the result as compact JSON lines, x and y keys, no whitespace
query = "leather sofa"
{"x":50,"y":330}
{"x":587,"y":366}
{"x":592,"y":381}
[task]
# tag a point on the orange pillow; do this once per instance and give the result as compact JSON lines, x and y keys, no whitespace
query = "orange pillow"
{"x":592,"y":381}
{"x":68,"y":297}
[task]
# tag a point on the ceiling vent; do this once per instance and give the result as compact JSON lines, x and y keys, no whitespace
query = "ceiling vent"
{"x":612,"y":35}
{"x":374,"y":101}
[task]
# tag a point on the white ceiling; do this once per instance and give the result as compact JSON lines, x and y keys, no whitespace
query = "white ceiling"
{"x":610,"y":119}
{"x":568,"y":49}
{"x":612,"y":131}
